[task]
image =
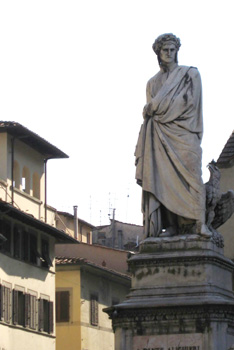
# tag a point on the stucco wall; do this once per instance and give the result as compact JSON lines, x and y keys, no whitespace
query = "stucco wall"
{"x":34,"y":280}
{"x":65,"y":222}
{"x":101,"y":336}
{"x":18,"y":339}
{"x":25,"y":156}
{"x":68,"y":334}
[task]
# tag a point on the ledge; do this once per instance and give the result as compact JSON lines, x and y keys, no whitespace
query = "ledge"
{"x":26,"y":195}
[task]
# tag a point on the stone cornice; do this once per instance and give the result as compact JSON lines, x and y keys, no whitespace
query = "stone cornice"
{"x":153,"y":261}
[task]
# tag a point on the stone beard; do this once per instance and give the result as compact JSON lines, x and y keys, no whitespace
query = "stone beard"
{"x":168,"y":152}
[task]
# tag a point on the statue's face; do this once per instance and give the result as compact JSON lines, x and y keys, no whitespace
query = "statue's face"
{"x":168,"y":53}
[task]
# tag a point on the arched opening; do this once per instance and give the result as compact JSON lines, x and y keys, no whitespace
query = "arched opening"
{"x":16,"y":174}
{"x":25,"y":180}
{"x":36,"y":186}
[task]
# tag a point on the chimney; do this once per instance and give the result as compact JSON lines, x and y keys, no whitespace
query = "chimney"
{"x":75,"y":222}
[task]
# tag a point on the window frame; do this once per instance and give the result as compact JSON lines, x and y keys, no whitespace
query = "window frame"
{"x":5,"y":302}
{"x":45,"y":253}
{"x":59,"y":310}
{"x":6,"y":231}
{"x":19,"y":310}
{"x":45,"y":315}
{"x":31,"y":310}
{"x":94,"y":306}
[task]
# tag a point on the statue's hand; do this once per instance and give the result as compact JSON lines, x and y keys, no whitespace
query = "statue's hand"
{"x":147,"y":110}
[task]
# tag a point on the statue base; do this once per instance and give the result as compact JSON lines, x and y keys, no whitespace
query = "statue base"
{"x":181,"y":297}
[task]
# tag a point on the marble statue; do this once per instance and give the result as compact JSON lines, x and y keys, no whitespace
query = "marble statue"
{"x":168,"y":151}
{"x":219,"y":206}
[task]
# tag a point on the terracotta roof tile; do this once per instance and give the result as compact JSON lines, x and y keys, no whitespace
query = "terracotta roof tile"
{"x":62,"y":260}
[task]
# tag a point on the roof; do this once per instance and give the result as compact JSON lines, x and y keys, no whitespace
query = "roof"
{"x":27,"y":219}
{"x":226,"y":158}
{"x":31,"y":139}
{"x":72,"y":217}
{"x":112,"y":259}
{"x":61,"y":261}
{"x":116,"y":221}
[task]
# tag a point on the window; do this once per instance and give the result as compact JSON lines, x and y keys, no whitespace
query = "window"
{"x":45,"y":315}
{"x":16,"y":241}
{"x":33,"y":254}
{"x":62,"y":306}
{"x":94,"y":310}
{"x":26,"y":180}
{"x":25,"y":246}
{"x":5,"y":303}
{"x":19,"y":307}
{"x":45,"y":254}
{"x":88,"y":237}
{"x":30,"y":311}
{"x":5,"y":230}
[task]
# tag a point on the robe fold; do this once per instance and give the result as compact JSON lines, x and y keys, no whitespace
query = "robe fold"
{"x":168,"y":152}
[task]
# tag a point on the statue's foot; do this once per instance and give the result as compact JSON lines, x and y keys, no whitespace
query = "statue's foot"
{"x":204,"y":231}
{"x":168,"y":232}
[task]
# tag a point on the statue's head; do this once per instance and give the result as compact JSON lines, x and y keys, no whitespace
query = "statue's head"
{"x":166,"y":39}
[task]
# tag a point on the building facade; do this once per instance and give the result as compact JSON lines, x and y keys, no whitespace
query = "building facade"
{"x":23,"y":171}
{"x":119,"y":235}
{"x":74,"y":226}
{"x":27,"y":241}
{"x":83,"y":289}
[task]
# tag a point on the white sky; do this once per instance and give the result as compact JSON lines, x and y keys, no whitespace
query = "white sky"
{"x":75,"y":73}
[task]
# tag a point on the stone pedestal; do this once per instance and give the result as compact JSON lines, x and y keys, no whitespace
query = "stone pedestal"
{"x":181,"y":297}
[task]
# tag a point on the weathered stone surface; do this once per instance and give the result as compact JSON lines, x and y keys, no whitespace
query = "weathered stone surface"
{"x":182,"y":289}
{"x":168,"y":152}
{"x":171,"y":342}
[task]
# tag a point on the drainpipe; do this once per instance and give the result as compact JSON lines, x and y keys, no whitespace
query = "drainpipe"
{"x":75,"y":222}
{"x":45,"y":168}
{"x":12,"y":169}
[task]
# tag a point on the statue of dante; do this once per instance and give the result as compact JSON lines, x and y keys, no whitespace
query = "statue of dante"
{"x":168,"y":152}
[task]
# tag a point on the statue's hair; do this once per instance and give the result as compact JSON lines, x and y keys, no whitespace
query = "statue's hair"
{"x":160,"y":41}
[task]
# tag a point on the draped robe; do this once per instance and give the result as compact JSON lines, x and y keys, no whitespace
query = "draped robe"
{"x":168,"y":152}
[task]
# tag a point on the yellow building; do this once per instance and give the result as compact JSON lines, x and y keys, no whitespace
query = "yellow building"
{"x":74,"y":226}
{"x":83,"y":288}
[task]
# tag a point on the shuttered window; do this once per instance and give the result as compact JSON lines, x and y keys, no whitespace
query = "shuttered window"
{"x":16,"y":241}
{"x":45,"y":254}
{"x":33,"y":254}
{"x":5,"y":304}
{"x":94,"y":310}
{"x":5,"y":230}
{"x":62,"y":306}
{"x":30,"y":311}
{"x":18,"y":307}
{"x":46,"y":322}
{"x":25,"y":246}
